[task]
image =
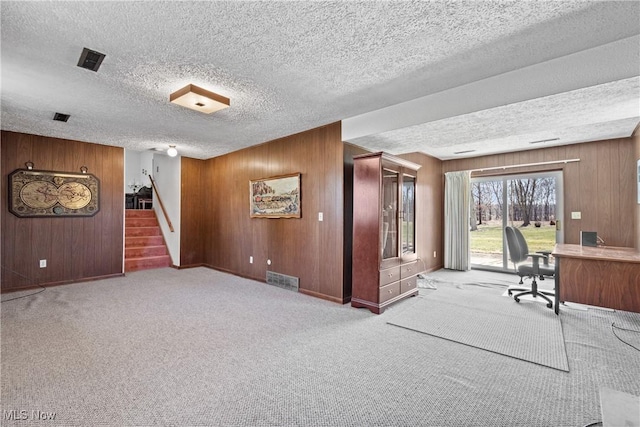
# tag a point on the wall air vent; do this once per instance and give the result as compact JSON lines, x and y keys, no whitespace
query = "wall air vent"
{"x":464,"y":152}
{"x":282,"y":281}
{"x":90,"y":59}
{"x":61,"y":117}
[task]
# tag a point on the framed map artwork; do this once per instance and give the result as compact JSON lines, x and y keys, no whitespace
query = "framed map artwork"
{"x":277,"y":197}
{"x":37,"y":193}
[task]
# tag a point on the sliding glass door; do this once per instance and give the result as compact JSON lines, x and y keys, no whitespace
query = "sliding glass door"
{"x":531,"y":202}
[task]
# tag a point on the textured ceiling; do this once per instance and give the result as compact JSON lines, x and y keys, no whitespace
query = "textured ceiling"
{"x":291,"y":66}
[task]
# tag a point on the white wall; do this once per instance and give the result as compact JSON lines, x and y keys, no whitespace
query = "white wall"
{"x":146,"y":166}
{"x":166,"y":173}
{"x":132,"y":170}
{"x":137,"y":165}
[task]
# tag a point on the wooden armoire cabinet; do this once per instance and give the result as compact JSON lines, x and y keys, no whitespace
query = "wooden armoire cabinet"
{"x":385,"y":262}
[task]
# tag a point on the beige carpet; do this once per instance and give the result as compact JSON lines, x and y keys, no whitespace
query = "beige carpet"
{"x":480,"y":317}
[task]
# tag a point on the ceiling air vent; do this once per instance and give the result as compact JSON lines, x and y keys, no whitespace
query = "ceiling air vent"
{"x":542,"y":141}
{"x":90,"y":59}
{"x":464,"y":152}
{"x":61,"y":117}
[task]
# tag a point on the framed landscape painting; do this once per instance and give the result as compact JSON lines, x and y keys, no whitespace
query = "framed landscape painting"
{"x":276,"y":197}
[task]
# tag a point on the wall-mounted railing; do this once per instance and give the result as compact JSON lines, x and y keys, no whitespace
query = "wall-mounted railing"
{"x":164,"y":211}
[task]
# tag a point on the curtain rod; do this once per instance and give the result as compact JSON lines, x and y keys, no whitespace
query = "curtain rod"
{"x":553,"y":162}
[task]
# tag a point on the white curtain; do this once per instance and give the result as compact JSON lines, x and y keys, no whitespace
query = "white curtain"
{"x":457,"y":193}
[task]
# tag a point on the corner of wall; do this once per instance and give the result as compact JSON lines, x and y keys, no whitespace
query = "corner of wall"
{"x":636,"y":141}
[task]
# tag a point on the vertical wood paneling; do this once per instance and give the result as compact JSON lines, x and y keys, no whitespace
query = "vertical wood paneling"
{"x":587,"y":188}
{"x":605,"y":186}
{"x":349,"y":151}
{"x":88,"y":244}
{"x":305,"y":247}
{"x":193,"y":194}
{"x":75,"y":248}
{"x":429,"y":210}
{"x":626,"y":175}
{"x":598,"y":186}
{"x":635,"y":200}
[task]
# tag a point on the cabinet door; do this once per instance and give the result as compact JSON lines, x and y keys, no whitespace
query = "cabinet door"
{"x":389,"y":224}
{"x":408,"y":215}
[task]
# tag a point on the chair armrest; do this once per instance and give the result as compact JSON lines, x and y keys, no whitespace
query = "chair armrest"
{"x":536,"y":261}
{"x":546,"y":254}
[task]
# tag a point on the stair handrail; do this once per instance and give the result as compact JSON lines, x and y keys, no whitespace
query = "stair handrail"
{"x":164,"y":211}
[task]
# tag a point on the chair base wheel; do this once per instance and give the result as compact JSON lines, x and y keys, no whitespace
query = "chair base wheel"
{"x":536,"y":294}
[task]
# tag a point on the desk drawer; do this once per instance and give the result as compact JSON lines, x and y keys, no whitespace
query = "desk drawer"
{"x":389,"y":291}
{"x":389,"y":275}
{"x":409,"y":269}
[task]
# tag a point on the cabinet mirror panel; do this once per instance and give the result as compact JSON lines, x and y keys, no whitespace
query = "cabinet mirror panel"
{"x":389,"y":229}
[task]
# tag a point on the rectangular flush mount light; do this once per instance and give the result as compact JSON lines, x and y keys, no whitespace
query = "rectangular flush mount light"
{"x":196,"y":98}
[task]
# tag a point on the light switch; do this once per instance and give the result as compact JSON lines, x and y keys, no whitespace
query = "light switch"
{"x":320,"y":216}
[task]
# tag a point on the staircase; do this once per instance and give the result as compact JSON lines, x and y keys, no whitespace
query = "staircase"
{"x":144,"y":246}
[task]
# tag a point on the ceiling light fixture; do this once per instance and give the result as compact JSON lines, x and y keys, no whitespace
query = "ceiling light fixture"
{"x":196,"y":98}
{"x":172,"y":152}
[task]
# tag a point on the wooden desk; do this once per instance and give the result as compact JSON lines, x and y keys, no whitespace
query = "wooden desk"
{"x":600,"y":276}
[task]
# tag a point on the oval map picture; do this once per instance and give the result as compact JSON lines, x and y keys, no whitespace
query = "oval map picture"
{"x":74,"y":195}
{"x":39,"y":194}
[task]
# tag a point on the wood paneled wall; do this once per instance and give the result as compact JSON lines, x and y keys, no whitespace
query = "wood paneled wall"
{"x":194,"y":191}
{"x":306,"y":248}
{"x":636,"y":141}
{"x":350,"y":151}
{"x":75,"y":248}
{"x":600,"y":186}
{"x":429,"y":210}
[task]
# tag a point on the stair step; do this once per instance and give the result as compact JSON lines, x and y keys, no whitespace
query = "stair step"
{"x":139,"y":213}
{"x":141,"y":231}
{"x":144,"y":251}
{"x":135,"y":264}
{"x":141,"y":222}
{"x":138,"y":241}
{"x":144,"y":245}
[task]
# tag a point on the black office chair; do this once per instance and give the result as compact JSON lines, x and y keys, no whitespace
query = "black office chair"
{"x":519,"y":254}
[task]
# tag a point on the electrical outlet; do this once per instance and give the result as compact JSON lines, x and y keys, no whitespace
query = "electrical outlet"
{"x":320,"y":216}
{"x":43,"y":263}
{"x":250,"y":260}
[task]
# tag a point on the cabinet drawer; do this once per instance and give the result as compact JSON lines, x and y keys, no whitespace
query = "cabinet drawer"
{"x":408,"y":284}
{"x":389,"y":291}
{"x":389,"y":275}
{"x":409,"y":269}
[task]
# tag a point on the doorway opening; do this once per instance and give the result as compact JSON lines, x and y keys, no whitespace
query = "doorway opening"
{"x":531,"y":202}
